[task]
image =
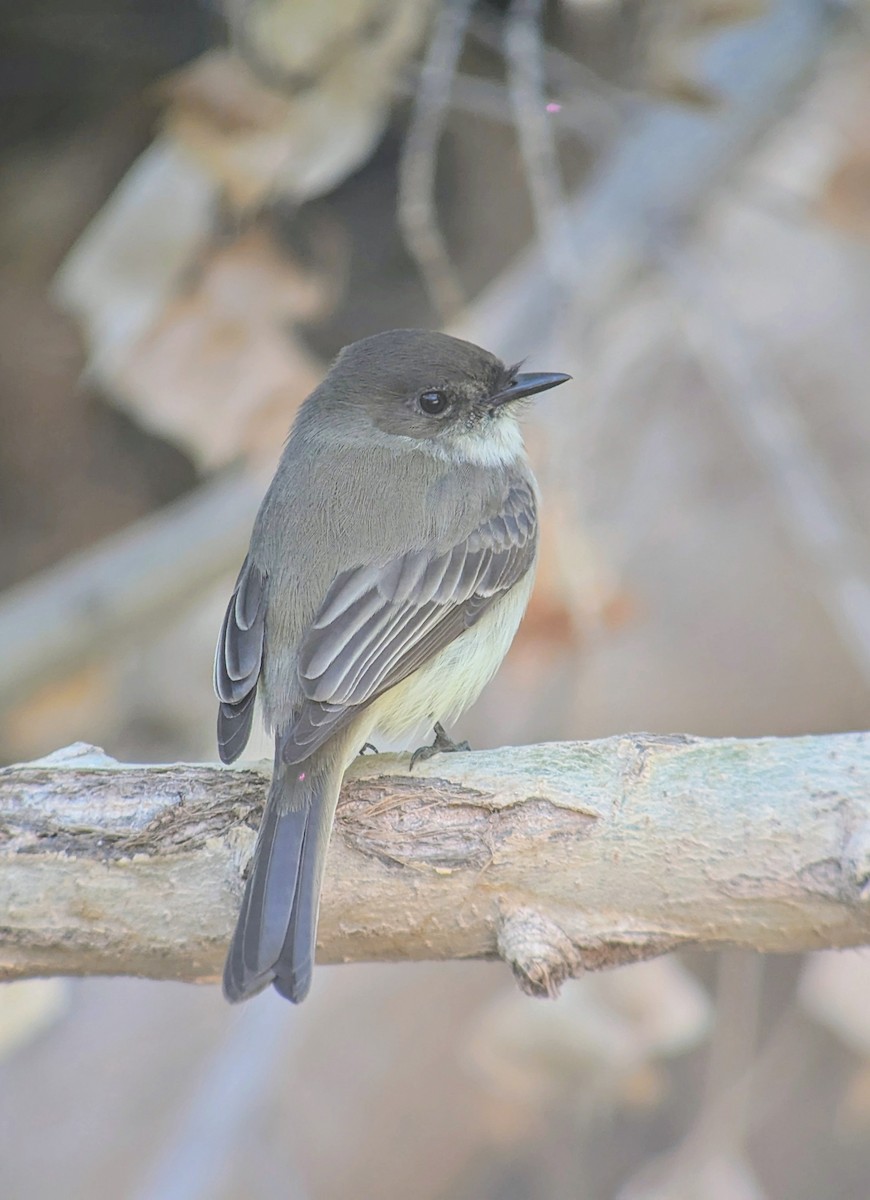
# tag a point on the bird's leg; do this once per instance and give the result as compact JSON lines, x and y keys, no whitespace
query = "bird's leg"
{"x":368,"y":746}
{"x":443,"y":744}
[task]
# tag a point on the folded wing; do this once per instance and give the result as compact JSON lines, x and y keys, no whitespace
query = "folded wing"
{"x":378,"y":624}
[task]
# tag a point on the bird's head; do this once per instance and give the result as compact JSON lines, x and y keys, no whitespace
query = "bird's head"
{"x":453,"y":398}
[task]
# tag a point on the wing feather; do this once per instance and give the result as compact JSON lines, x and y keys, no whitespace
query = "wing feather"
{"x":238,"y":661}
{"x":378,"y":624}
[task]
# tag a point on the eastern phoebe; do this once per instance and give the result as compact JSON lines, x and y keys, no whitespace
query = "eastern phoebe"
{"x":389,"y":567}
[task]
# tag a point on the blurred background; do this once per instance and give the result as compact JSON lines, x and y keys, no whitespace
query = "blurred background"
{"x":200,"y":203}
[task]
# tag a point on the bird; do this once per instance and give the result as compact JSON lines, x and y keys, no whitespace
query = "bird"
{"x":389,"y":566}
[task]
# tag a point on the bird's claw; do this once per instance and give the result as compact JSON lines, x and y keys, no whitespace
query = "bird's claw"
{"x":443,"y":744}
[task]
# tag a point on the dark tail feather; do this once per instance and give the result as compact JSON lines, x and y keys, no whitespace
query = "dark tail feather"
{"x":296,"y":965}
{"x":276,"y":932}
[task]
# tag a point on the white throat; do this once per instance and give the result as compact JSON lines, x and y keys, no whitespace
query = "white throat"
{"x":501,"y":445}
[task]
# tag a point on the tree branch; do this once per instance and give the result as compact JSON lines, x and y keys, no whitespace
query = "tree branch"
{"x":557,"y":857}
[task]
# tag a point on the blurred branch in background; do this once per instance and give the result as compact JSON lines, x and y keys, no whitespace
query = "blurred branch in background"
{"x":712,"y":1159}
{"x":415,"y":201}
{"x":659,"y":172}
{"x":558,"y":858}
{"x":84,"y":607}
{"x":814,"y":509}
{"x":538,"y":145}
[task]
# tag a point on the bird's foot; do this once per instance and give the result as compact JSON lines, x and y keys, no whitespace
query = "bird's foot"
{"x":368,"y":748}
{"x":443,"y":744}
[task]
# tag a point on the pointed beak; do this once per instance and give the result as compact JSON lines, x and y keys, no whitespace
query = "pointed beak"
{"x":526,"y":385}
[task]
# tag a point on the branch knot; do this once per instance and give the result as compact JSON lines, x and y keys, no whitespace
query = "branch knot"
{"x":538,"y":951}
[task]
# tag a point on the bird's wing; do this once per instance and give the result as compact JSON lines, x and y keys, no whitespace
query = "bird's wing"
{"x":378,"y":624}
{"x":238,"y":659}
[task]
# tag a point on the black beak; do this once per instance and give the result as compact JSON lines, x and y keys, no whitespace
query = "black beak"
{"x":526,"y":385}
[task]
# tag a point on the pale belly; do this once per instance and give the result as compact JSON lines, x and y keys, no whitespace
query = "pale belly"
{"x":446,"y":686}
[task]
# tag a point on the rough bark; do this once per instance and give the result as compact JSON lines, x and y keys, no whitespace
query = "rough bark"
{"x":558,"y":857}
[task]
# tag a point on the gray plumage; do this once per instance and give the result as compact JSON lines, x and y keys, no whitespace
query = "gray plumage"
{"x":389,"y":536}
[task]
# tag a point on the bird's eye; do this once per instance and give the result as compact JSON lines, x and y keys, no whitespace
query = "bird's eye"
{"x":433,"y":403}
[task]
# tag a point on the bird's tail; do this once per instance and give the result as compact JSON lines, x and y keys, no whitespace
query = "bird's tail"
{"x":276,"y":931}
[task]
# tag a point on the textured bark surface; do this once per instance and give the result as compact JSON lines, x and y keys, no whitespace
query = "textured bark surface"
{"x":558,"y":857}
